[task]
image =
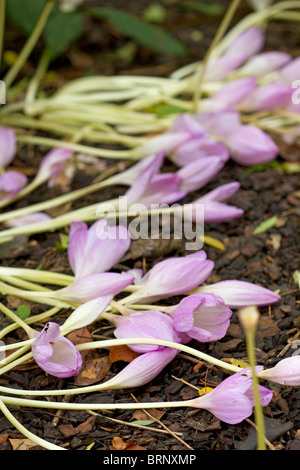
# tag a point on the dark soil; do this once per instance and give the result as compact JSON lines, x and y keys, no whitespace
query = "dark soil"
{"x":269,"y":259}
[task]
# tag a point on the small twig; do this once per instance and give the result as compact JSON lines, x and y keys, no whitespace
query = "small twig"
{"x":138,"y":426}
{"x":164,"y":426}
{"x":266,"y":440}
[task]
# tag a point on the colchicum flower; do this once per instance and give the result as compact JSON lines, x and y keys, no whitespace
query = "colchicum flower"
{"x":52,"y":165}
{"x":28,"y":219}
{"x":8,"y":146}
{"x":173,"y":276}
{"x":286,"y":372}
{"x":54,"y":353}
{"x":232,"y":400}
{"x":204,"y":317}
{"x":11,"y":183}
{"x":96,"y":249}
{"x":238,"y":294}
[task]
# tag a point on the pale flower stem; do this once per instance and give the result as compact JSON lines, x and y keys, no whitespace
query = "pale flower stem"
{"x":38,"y":440}
{"x":116,"y":342}
{"x":31,"y":42}
{"x":12,"y":360}
{"x":37,"y":275}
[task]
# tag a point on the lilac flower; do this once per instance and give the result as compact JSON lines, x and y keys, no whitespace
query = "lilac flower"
{"x":53,"y":164}
{"x":265,"y":63}
{"x":214,"y":210}
{"x":290,"y":72}
{"x":96,"y":249}
{"x":232,"y":400}
{"x":8,"y":146}
{"x":149,"y":324}
{"x":29,"y":219}
{"x":174,"y":276}
{"x":92,"y":286}
{"x":286,"y":372}
{"x":142,"y":369}
{"x":197,"y":174}
{"x":249,"y":145}
{"x":55,"y":354}
{"x":237,"y":294}
{"x":231,"y":94}
{"x":249,"y":42}
{"x":218,"y":69}
{"x":11,"y":183}
{"x":152,"y":188}
{"x":267,"y":97}
{"x":204,"y":317}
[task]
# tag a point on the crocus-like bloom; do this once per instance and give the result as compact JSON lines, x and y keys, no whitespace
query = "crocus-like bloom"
{"x":8,"y":146}
{"x":11,"y":183}
{"x":197,"y":174}
{"x":93,"y":286}
{"x":249,"y":42}
{"x":267,"y":97}
{"x":86,"y":313}
{"x":265,"y":63}
{"x":237,"y":294}
{"x":96,"y":249}
{"x":286,"y":372}
{"x":28,"y":219}
{"x":149,"y":324}
{"x":218,"y":69}
{"x":142,"y":369}
{"x":173,"y":276}
{"x":290,"y":72}
{"x":53,"y":164}
{"x":214,"y":210}
{"x":152,"y":188}
{"x":54,"y":353}
{"x":221,"y":123}
{"x":230,"y":95}
{"x":249,"y":145}
{"x":204,"y":317}
{"x":232,"y":400}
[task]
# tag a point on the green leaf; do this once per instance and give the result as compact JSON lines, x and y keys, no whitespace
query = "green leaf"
{"x":63,"y":242}
{"x":163,"y":110}
{"x":208,"y":9}
{"x":150,"y":36}
{"x":144,"y":423}
{"x":266,"y":225}
{"x":61,"y":30}
{"x":26,"y":15}
{"x":23,"y":312}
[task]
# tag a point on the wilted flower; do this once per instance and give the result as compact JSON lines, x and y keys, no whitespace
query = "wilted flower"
{"x":267,"y":97}
{"x":53,"y":164}
{"x":8,"y":146}
{"x":197,"y":174}
{"x":232,"y":400}
{"x":204,"y":317}
{"x":173,"y":276}
{"x":54,"y":353}
{"x":286,"y":372}
{"x":96,"y":249}
{"x":216,"y":211}
{"x":265,"y":63}
{"x":249,"y":42}
{"x":237,"y":294}
{"x":11,"y":183}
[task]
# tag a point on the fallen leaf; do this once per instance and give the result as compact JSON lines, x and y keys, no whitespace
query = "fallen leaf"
{"x":67,"y":430}
{"x":121,"y":353}
{"x":140,"y":415}
{"x":118,"y":443}
{"x":22,"y":444}
{"x":92,"y":371}
{"x":87,"y":426}
{"x":3,"y":438}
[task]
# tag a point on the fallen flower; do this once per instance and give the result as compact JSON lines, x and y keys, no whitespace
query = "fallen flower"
{"x":232,"y":400}
{"x":214,"y":210}
{"x":197,"y":174}
{"x":11,"y":183}
{"x":28,"y":219}
{"x":55,"y":354}
{"x":173,"y":276}
{"x":286,"y":372}
{"x":96,"y":249}
{"x":8,"y":146}
{"x":52,"y":165}
{"x":204,"y":317}
{"x":237,"y":294}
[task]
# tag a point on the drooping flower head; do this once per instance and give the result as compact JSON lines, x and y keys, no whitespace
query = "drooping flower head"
{"x":11,"y":183}
{"x":54,"y":353}
{"x":8,"y":146}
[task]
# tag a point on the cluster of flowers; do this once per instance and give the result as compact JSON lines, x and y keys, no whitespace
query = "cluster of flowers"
{"x":203,"y":315}
{"x":199,"y":145}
